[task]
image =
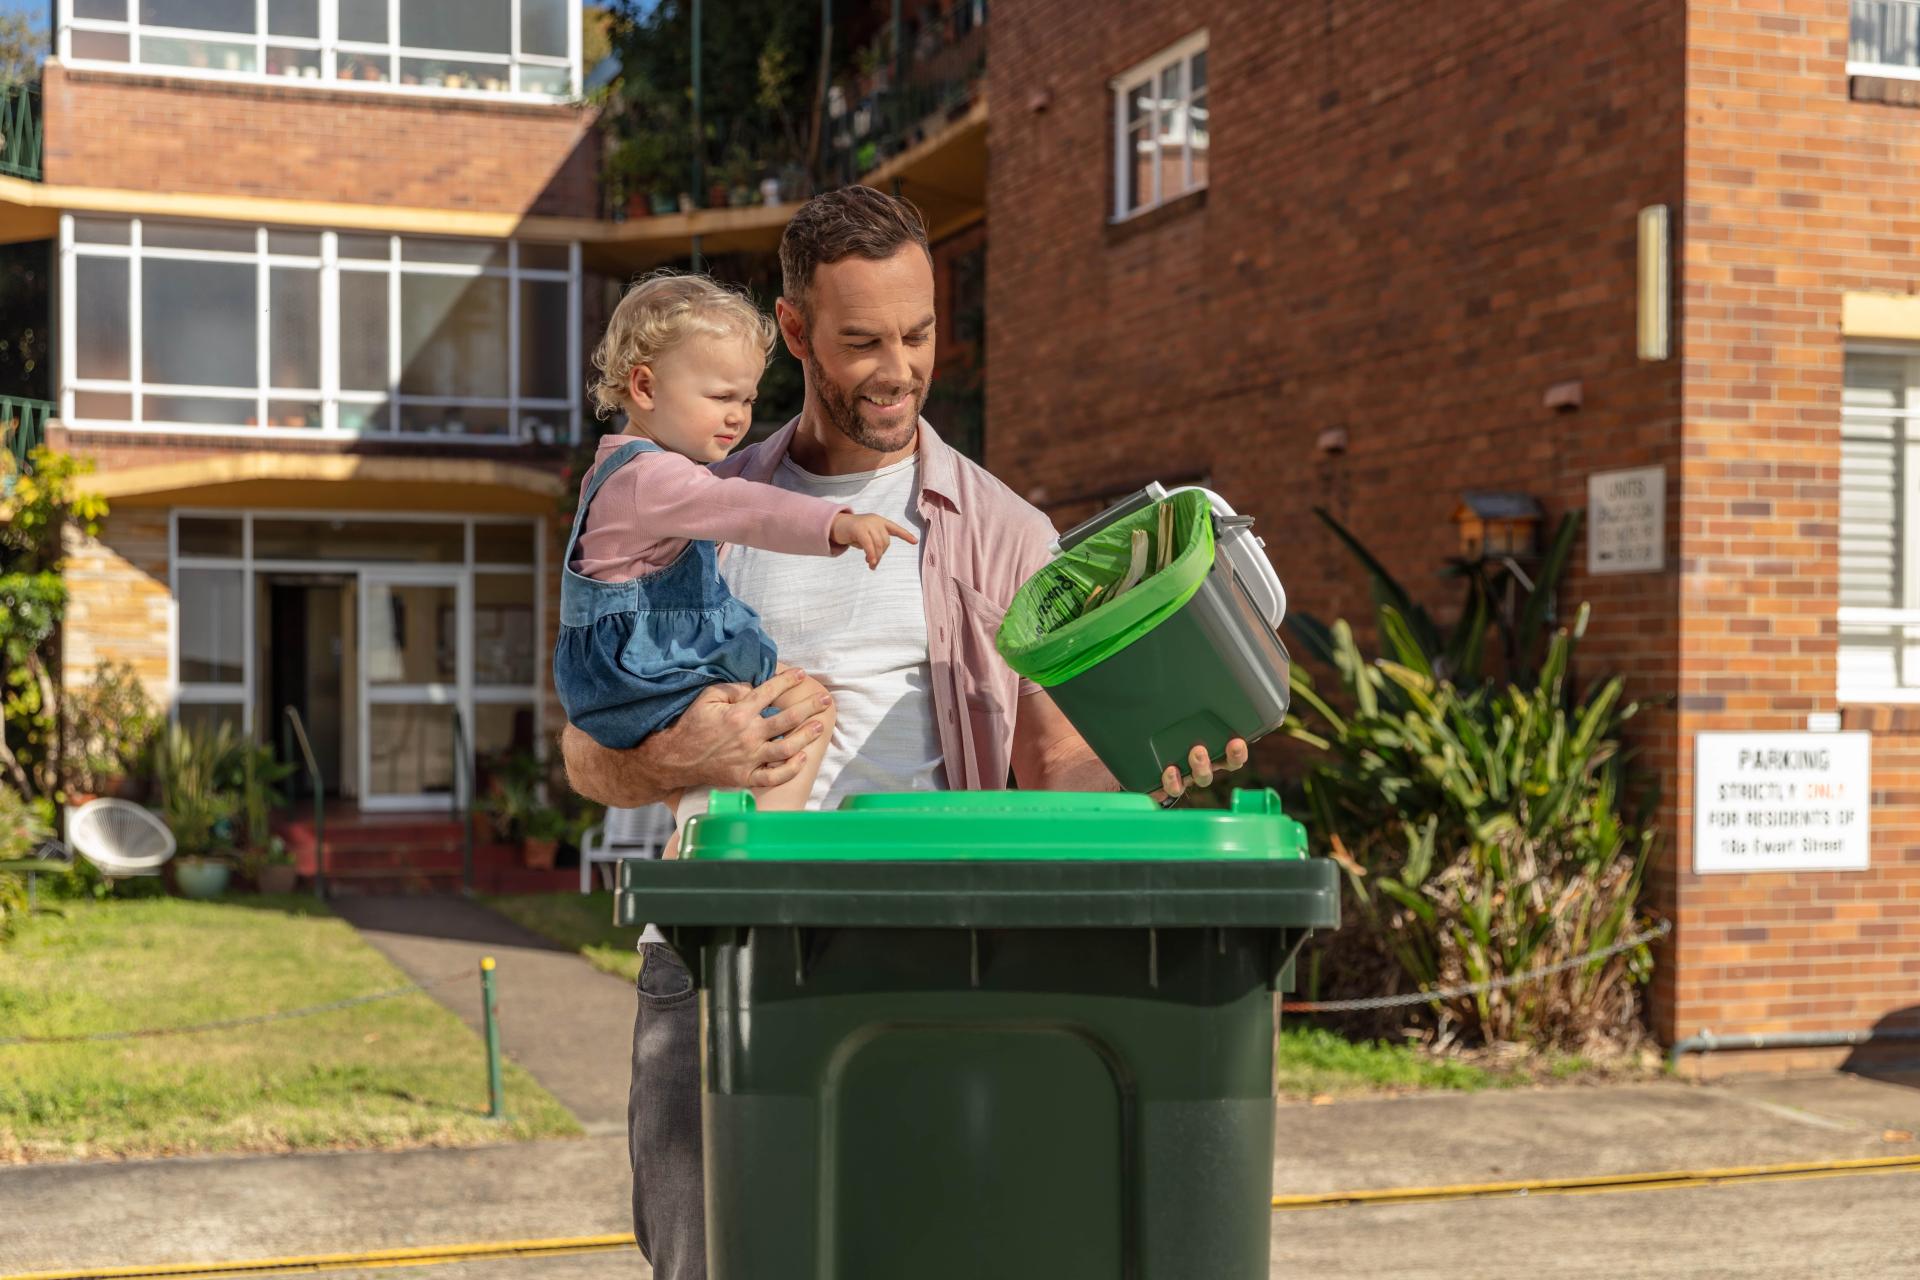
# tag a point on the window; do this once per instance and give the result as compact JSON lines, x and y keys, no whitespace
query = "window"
{"x":180,"y":325}
{"x":1160,"y":129}
{"x":1879,"y":586}
{"x":1884,"y":39}
{"x":458,"y":600}
{"x":513,"y":47}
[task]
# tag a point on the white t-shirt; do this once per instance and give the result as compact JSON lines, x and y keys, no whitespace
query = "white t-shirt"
{"x":861,"y":632}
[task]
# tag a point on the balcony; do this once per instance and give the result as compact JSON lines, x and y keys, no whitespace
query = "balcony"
{"x":909,"y":119}
{"x":912,"y":119}
{"x":20,"y":131}
{"x":24,"y":424}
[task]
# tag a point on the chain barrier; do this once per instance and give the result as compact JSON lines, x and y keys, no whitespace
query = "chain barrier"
{"x":1660,"y":930}
{"x":228,"y":1024}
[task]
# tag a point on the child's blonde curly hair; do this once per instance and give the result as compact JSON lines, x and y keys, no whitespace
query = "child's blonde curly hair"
{"x":661,"y":311}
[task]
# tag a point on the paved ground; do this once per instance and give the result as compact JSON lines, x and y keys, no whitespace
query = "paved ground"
{"x":560,"y":1018}
{"x":569,"y":1026}
{"x":1444,"y":1139}
{"x":184,"y":1210}
{"x":202,"y":1210}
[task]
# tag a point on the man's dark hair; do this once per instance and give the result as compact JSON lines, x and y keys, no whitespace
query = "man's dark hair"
{"x":847,"y":223}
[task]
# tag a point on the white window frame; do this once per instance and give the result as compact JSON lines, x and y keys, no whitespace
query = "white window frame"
{"x":1908,"y":525}
{"x":330,"y":48}
{"x":468,"y":693}
{"x":1119,"y":88}
{"x":329,"y":395}
{"x":1884,"y":70}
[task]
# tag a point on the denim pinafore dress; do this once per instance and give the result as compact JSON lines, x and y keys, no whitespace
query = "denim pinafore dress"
{"x":633,"y":655}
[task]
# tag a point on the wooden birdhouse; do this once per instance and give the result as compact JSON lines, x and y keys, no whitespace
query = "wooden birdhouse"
{"x":1498,"y":524}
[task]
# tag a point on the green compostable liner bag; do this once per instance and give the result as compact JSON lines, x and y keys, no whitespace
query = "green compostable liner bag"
{"x":1045,"y":636}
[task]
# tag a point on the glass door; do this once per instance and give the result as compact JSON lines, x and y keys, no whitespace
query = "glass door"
{"x":416,"y":671}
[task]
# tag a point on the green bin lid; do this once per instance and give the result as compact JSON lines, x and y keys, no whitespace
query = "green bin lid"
{"x":1023,"y":826}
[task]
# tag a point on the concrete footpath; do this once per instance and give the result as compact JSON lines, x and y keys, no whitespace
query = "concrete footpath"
{"x":223,"y":1209}
{"x":570,"y":1026}
{"x":567,"y":1023}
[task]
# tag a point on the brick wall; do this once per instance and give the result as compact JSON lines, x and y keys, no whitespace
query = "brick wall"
{"x":1414,"y":227}
{"x":1795,"y":194}
{"x":183,"y":136}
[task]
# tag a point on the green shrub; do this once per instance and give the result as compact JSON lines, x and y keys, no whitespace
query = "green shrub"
{"x":1483,"y":835}
{"x":1479,"y":804}
{"x":194,"y":772}
{"x":24,"y":826}
{"x":108,"y":724}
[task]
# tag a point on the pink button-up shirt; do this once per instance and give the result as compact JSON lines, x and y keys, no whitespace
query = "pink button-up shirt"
{"x":982,"y":540}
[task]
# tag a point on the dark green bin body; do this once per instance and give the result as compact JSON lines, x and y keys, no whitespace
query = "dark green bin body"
{"x":1022,"y":1070}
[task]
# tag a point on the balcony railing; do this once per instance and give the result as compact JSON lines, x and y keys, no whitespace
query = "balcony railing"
{"x":888,"y":108}
{"x":24,"y":424}
{"x":20,"y":131}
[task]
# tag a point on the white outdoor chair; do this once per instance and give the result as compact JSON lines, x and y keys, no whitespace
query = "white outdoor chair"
{"x":626,"y":833}
{"x":119,"y":837}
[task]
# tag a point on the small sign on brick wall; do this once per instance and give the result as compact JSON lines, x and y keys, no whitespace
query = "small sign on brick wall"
{"x":1781,"y":801}
{"x":1627,"y":521}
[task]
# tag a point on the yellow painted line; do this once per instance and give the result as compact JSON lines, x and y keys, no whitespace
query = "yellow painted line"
{"x":1666,"y":1180}
{"x":372,"y":1260}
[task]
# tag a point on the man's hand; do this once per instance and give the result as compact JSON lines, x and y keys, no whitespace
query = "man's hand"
{"x":1050,"y":755}
{"x":721,"y":740}
{"x":1201,"y":770}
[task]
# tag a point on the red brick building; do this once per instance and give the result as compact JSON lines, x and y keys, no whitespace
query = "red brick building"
{"x":1349,"y":255}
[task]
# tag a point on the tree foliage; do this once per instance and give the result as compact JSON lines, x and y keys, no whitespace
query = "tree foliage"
{"x":760,"y":78}
{"x":46,"y":500}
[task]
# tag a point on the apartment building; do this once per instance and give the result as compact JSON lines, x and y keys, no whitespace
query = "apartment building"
{"x":1662,"y":255}
{"x":327,"y":275}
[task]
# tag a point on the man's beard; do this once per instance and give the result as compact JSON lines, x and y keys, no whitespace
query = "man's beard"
{"x":843,"y":412}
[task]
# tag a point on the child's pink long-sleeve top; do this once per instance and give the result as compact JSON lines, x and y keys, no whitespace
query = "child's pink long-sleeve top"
{"x":646,"y":513}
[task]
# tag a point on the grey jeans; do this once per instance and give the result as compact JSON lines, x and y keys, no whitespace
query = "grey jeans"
{"x":663,"y":1119}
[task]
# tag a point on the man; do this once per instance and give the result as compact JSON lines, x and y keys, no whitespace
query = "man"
{"x":906,"y":651}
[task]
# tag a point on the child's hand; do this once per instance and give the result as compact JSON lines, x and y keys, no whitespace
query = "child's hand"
{"x":869,"y":533}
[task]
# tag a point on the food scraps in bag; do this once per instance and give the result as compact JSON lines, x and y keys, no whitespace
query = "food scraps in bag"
{"x":1144,"y":548}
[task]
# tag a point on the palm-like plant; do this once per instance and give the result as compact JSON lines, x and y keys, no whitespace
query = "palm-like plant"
{"x":1483,"y":825}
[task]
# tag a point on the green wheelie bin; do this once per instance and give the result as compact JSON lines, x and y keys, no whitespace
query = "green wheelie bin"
{"x":965,"y":1034}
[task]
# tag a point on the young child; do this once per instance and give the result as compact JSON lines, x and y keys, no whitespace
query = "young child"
{"x":646,"y":623}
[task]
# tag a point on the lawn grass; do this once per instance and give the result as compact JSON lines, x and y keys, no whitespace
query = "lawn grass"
{"x":581,"y":922}
{"x":1312,"y":1062}
{"x":395,"y":1073}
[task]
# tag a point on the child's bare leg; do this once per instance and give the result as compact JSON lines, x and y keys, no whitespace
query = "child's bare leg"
{"x":672,"y":848}
{"x":796,"y":791}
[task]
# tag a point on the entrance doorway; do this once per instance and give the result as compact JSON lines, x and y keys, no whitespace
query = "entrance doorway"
{"x":309,"y":657}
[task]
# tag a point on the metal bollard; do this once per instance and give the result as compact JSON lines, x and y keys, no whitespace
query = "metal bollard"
{"x":490,"y":1011}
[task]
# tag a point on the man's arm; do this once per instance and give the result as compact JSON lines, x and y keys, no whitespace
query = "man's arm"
{"x":722,"y":740}
{"x":1050,"y":755}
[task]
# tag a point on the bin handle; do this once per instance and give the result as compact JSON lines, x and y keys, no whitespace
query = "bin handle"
{"x":1093,"y":524}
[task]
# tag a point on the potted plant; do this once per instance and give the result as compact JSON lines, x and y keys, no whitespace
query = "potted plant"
{"x":203,"y":875}
{"x":663,"y":203}
{"x":188,"y":766}
{"x":108,"y":725}
{"x":541,"y":843}
{"x":512,"y":797}
{"x":270,"y":867}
